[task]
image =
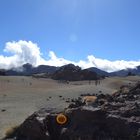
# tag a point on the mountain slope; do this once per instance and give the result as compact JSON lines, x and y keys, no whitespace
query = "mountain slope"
{"x":71,"y":72}
{"x":70,"y":69}
{"x":98,"y":71}
{"x":28,"y":69}
{"x":125,"y":72}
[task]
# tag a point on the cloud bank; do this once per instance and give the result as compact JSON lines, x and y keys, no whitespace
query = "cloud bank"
{"x":23,"y":52}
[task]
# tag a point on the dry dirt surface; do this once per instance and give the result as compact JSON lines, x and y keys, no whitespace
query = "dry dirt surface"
{"x":21,"y":96}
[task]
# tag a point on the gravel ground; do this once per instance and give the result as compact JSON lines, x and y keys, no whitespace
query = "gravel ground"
{"x":21,"y":96}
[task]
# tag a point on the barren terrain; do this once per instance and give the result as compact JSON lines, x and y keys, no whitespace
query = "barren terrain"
{"x":21,"y":96}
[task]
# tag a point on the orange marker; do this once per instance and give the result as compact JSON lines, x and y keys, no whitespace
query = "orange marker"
{"x":61,"y":119}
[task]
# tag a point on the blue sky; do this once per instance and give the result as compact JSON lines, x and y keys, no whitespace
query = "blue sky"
{"x":74,"y":29}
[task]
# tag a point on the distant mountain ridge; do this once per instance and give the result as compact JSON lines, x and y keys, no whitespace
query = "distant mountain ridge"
{"x":125,"y":72}
{"x":71,"y":72}
{"x":98,"y":71}
{"x":2,"y":72}
{"x":28,"y":70}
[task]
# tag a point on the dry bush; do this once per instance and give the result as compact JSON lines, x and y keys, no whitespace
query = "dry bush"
{"x":10,"y":132}
{"x":89,"y":100}
{"x":114,"y":92}
{"x":125,"y":90}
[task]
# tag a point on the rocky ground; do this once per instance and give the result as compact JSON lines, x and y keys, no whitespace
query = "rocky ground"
{"x":108,"y":117}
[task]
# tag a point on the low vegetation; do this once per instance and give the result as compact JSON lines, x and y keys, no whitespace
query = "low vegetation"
{"x":11,"y":131}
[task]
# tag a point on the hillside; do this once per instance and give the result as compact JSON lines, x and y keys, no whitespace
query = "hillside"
{"x":125,"y":72}
{"x":98,"y":71}
{"x":70,"y":69}
{"x":28,"y":70}
{"x":71,"y":72}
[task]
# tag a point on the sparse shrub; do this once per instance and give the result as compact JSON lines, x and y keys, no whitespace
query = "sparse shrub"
{"x":125,"y":90}
{"x":11,"y":131}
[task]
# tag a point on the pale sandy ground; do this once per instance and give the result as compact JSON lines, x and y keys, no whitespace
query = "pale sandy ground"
{"x":21,"y":96}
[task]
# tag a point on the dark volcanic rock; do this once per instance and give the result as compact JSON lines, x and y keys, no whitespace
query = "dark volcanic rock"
{"x":71,"y":72}
{"x":107,"y":119}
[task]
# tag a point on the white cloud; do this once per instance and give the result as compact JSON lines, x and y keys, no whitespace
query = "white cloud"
{"x":28,"y":52}
{"x":22,"y":52}
{"x":107,"y":65}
